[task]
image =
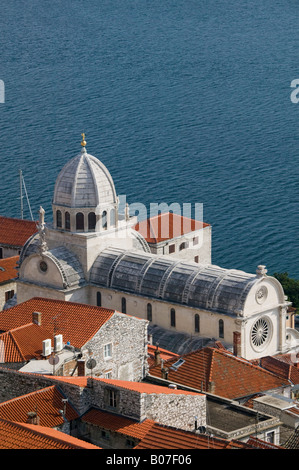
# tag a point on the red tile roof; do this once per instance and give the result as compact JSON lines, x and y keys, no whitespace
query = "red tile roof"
{"x":8,"y":269}
{"x":163,"y":437}
{"x":119,"y":424}
{"x":66,"y":318}
{"x":230,"y":376}
{"x":15,"y":232}
{"x":143,"y":387}
{"x":45,"y":402}
{"x":30,"y":436}
{"x":167,"y":226}
{"x":281,"y":365}
{"x":164,"y":354}
{"x":23,"y":343}
{"x":139,"y":387}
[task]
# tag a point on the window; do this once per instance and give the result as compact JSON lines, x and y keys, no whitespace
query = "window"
{"x":171,"y":248}
{"x":112,"y":217}
{"x":58,"y":219}
{"x":79,"y":221}
{"x":108,"y":374}
{"x":270,"y":437}
{"x":172,"y":317}
{"x":195,"y":241}
{"x":196,"y":323}
{"x":123,"y":305}
{"x":91,"y":221}
{"x":99,"y":299}
{"x":9,"y":295}
{"x":104,"y":220}
{"x":1,"y":253}
{"x":112,"y":398}
{"x":183,"y":246}
{"x":67,"y":221}
{"x":221,"y":329}
{"x":105,"y":434}
{"x":149,"y":312}
{"x":130,"y":443}
{"x":196,"y":259}
{"x":108,"y":351}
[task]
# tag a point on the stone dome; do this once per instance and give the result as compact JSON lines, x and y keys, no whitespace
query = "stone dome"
{"x":84,"y":182}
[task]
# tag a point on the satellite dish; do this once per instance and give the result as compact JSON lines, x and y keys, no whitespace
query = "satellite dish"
{"x":91,"y":363}
{"x":53,"y":360}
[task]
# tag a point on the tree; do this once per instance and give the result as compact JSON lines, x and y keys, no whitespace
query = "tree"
{"x":290,"y":287}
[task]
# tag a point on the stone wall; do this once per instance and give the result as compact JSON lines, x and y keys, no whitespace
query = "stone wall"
{"x":167,"y":409}
{"x":176,"y":410}
{"x":128,"y":339}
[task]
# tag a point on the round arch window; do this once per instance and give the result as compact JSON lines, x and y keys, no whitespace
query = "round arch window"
{"x":260,"y":333}
{"x":43,"y":266}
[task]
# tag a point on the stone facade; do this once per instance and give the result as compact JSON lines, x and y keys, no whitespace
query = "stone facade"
{"x":176,"y":410}
{"x":116,"y":355}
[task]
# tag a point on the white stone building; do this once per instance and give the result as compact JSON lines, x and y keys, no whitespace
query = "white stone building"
{"x":93,"y":254}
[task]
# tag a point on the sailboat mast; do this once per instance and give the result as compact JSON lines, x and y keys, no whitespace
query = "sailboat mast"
{"x":21,"y":193}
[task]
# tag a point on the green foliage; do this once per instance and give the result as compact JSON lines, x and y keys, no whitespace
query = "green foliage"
{"x":290,"y":286}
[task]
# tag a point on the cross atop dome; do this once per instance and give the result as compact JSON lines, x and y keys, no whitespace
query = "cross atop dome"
{"x":83,"y":141}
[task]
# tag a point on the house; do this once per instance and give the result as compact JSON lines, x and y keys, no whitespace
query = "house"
{"x":14,"y":233}
{"x":47,"y":407}
{"x":90,"y":338}
{"x":18,"y":436}
{"x":217,"y":371}
{"x":178,"y":236}
{"x":8,"y":275}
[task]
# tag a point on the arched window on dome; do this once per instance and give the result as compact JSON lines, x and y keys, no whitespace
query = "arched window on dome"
{"x":58,"y":219}
{"x":79,"y":221}
{"x":67,"y":221}
{"x":104,"y":220}
{"x":91,"y":221}
{"x":112,"y":217}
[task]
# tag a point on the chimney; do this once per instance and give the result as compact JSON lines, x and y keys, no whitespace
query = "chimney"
{"x":32,"y":418}
{"x":237,"y":343}
{"x":81,"y":367}
{"x":157,"y":357}
{"x":211,"y":387}
{"x":37,"y":318}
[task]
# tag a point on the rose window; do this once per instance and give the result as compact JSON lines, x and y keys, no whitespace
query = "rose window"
{"x":260,"y":332}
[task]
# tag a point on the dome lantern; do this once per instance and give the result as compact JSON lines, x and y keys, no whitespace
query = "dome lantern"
{"x":84,"y":194}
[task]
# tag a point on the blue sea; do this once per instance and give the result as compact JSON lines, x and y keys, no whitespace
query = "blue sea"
{"x":185,"y":101}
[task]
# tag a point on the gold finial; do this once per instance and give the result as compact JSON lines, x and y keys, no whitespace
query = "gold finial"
{"x":83,"y":142}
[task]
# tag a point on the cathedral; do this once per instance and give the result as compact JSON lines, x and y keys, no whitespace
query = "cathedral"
{"x":94,"y":254}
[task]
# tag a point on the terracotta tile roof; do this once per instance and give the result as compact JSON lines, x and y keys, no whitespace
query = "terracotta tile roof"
{"x":28,"y":436}
{"x":143,"y":387}
{"x":164,"y":354}
{"x":229,"y":376}
{"x":15,"y":232}
{"x":139,"y":387}
{"x":66,"y":318}
{"x":259,"y":444}
{"x":23,"y":343}
{"x":281,"y":366}
{"x":167,"y":226}
{"x":8,"y":269}
{"x":162,"y":437}
{"x":45,"y":402}
{"x":119,"y":424}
